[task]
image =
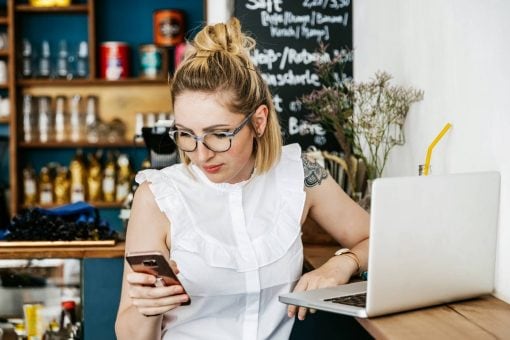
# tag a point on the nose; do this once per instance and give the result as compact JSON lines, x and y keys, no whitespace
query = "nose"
{"x":203,"y":153}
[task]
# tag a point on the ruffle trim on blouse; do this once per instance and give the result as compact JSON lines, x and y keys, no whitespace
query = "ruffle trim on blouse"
{"x":268,"y":248}
{"x":159,"y":187}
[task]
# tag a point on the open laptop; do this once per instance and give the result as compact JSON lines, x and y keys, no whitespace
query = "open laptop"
{"x":432,"y":241}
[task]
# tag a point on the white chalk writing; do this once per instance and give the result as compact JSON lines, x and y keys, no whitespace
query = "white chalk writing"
{"x":333,"y":4}
{"x":303,"y":127}
{"x":269,"y":5}
{"x":292,"y":79}
{"x":277,"y":102}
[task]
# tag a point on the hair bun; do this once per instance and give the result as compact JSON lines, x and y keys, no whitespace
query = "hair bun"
{"x":226,"y":38}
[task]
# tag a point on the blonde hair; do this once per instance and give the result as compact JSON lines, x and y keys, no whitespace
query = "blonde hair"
{"x":219,"y":61}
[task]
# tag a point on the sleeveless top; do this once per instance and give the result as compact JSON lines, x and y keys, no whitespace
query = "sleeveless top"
{"x":237,"y":246}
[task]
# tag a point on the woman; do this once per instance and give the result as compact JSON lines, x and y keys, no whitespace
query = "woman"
{"x":230,"y":215}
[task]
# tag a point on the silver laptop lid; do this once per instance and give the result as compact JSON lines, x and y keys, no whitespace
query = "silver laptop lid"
{"x":432,"y":240}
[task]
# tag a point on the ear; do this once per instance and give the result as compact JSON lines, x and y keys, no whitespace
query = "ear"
{"x":259,"y":120}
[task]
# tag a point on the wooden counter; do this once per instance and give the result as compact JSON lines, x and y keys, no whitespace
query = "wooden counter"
{"x":482,"y":318}
{"x":63,"y":252}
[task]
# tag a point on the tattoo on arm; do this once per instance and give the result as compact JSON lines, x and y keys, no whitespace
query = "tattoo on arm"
{"x":314,"y":173}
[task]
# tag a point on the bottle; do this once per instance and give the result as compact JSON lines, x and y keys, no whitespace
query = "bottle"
{"x":138,"y":127}
{"x":91,"y":120}
{"x":78,"y":175}
{"x":44,"y":118}
{"x":45,"y":186}
{"x":26,"y":59}
{"x":63,"y":61}
{"x":44,"y":60}
{"x":29,"y":186}
{"x":76,"y":129}
{"x":150,"y":119}
{"x":28,"y":118}
{"x":82,"y":60}
{"x":62,"y":185}
{"x":60,"y":119}
{"x":124,"y":178}
{"x":94,"y":179}
{"x":109,"y":178}
{"x":67,"y":316}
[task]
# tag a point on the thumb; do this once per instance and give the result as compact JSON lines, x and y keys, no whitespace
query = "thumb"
{"x":174,"y":267}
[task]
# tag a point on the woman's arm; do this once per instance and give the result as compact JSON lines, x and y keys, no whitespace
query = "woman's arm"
{"x":141,"y":305}
{"x":348,"y":223}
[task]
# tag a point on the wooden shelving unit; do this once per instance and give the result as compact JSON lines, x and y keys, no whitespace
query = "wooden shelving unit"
{"x":68,"y":144}
{"x":90,"y":82}
{"x":117,"y":99}
{"x":97,"y":204}
{"x":78,"y":8}
{"x":63,"y":252}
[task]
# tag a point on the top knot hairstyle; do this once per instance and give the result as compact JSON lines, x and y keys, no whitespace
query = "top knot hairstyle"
{"x":218,"y":61}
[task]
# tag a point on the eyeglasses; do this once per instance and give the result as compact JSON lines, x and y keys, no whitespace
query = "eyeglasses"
{"x":220,"y":141}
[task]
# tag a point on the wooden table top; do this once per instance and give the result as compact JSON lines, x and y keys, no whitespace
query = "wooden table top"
{"x":482,"y":318}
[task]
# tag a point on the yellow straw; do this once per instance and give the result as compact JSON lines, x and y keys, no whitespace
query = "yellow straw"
{"x":432,"y":145}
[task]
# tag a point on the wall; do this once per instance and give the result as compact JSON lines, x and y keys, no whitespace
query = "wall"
{"x":457,"y":51}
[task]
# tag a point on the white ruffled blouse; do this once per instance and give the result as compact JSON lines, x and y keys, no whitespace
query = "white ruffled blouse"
{"x":238,"y":247}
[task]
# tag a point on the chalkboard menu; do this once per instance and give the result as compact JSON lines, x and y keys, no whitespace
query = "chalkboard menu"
{"x":288,"y":34}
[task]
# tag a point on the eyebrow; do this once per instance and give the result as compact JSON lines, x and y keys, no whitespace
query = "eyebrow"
{"x":207,"y":129}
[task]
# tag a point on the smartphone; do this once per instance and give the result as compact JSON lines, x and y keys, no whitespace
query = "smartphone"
{"x":154,"y":263}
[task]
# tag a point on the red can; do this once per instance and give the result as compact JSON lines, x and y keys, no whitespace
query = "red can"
{"x":168,"y":27}
{"x":114,"y":60}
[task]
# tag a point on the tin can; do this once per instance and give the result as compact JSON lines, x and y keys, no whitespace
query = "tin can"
{"x":33,"y":320}
{"x":114,"y":60}
{"x":168,"y":27}
{"x":151,"y":61}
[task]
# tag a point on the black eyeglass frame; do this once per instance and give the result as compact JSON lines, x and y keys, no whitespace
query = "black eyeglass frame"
{"x":227,"y":134}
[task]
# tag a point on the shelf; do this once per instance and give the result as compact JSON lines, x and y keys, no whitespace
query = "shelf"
{"x":63,"y":252}
{"x":69,"y":144}
{"x":88,"y":82}
{"x":95,"y":204}
{"x":79,"y":8}
{"x":4,"y":120}
{"x":4,"y":53}
{"x":4,"y":86}
{"x":3,"y":20}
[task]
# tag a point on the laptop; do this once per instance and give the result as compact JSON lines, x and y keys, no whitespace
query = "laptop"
{"x":432,"y":241}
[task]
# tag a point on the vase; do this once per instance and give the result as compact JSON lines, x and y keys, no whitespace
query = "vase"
{"x":366,"y":199}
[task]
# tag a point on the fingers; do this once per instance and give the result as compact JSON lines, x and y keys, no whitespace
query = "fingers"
{"x":300,"y":286}
{"x":152,"y":301}
{"x":308,"y":281}
{"x":135,"y":278}
{"x":174,"y":267}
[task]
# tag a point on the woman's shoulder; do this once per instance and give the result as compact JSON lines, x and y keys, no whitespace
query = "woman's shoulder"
{"x":160,"y":175}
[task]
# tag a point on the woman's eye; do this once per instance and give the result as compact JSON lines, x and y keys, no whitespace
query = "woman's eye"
{"x":183,"y":134}
{"x":220,"y":135}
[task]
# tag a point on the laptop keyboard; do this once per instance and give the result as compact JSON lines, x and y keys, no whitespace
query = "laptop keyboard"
{"x":358,"y":300}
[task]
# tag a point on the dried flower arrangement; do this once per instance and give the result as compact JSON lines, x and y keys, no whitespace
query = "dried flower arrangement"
{"x":366,"y":118}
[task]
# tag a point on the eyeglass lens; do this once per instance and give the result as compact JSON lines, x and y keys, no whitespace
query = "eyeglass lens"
{"x":218,"y":142}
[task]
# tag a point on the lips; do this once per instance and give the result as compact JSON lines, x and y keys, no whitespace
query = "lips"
{"x":212,"y":169}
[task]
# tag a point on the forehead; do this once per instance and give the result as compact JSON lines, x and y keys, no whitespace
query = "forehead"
{"x":201,"y":109}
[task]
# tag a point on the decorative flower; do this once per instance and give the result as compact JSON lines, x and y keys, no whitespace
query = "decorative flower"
{"x":367,"y":119}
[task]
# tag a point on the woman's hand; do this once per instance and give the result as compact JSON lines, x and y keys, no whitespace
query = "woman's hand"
{"x":150,"y":300}
{"x":338,"y":270}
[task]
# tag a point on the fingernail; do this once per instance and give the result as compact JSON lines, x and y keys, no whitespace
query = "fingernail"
{"x":290,"y":314}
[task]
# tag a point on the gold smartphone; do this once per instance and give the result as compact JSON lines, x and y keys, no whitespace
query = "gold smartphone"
{"x":154,"y":263}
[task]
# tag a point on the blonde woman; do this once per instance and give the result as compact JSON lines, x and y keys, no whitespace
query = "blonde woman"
{"x":229,"y":217}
